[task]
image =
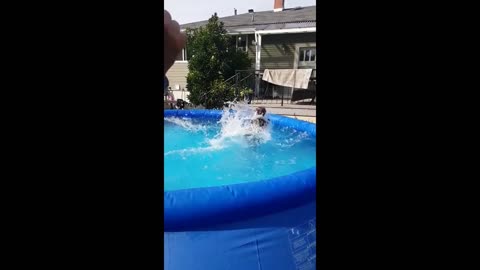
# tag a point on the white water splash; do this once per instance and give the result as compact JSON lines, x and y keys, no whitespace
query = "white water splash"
{"x":197,"y":150}
{"x":236,"y":129}
{"x":186,"y":123}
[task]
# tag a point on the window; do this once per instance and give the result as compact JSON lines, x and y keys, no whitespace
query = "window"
{"x":242,"y":42}
{"x":308,"y":55}
{"x":182,"y":56}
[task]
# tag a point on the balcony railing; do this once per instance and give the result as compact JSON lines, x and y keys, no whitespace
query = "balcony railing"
{"x":265,"y":92}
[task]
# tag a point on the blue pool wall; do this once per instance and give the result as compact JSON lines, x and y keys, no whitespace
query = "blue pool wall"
{"x":284,"y":240}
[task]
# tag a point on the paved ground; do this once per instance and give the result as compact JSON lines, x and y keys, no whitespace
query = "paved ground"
{"x":301,"y":112}
{"x":290,"y":109}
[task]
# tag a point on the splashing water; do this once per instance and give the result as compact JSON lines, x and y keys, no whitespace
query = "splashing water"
{"x":186,"y":124}
{"x":201,"y":152}
{"x":237,"y":128}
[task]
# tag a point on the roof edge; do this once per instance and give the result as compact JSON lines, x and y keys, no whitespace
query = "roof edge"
{"x":265,"y":11}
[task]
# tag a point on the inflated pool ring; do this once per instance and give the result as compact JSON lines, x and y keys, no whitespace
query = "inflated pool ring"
{"x":192,"y":208}
{"x":268,"y":224}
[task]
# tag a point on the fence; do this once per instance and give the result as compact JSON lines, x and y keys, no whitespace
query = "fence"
{"x":267,"y":93}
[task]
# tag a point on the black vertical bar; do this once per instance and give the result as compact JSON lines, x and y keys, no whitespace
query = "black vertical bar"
{"x":236,"y":83}
{"x":294,"y":81}
{"x":283,"y":91}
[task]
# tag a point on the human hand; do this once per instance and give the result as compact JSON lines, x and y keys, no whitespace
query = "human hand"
{"x":173,"y":40}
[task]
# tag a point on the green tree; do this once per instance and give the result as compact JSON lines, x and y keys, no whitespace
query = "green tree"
{"x":213,"y":59}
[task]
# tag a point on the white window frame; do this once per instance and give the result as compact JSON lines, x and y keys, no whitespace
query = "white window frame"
{"x":297,"y":53}
{"x":308,"y":49}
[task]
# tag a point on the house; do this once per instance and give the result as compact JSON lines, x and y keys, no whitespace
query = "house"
{"x":277,"y":39}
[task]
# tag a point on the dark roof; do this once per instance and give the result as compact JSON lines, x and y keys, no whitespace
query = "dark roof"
{"x":267,"y":20}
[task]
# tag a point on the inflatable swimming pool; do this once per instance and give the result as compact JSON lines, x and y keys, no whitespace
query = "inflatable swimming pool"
{"x":268,"y":224}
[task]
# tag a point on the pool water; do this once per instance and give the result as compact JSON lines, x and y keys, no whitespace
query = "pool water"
{"x":206,"y":153}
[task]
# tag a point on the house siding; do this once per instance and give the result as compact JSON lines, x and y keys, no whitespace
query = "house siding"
{"x":273,"y":56}
{"x":177,"y":74}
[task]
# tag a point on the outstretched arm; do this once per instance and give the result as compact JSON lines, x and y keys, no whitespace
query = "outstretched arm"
{"x":173,"y":41}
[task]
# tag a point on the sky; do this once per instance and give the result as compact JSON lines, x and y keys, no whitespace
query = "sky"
{"x":187,"y":11}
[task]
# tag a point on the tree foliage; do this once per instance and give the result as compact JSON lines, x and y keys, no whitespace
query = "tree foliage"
{"x":213,"y":58}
